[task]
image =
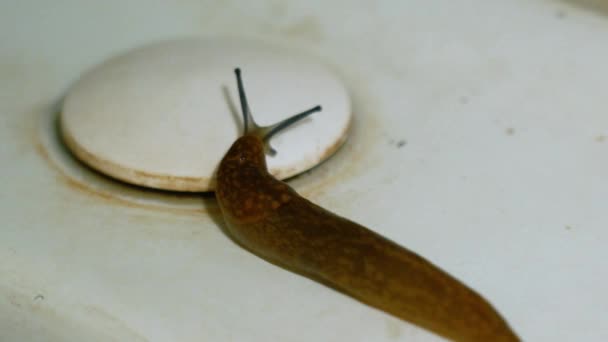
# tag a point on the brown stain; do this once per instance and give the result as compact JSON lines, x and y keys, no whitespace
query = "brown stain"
{"x":358,"y":154}
{"x":345,"y":159}
{"x":111,"y":197}
{"x":308,"y":28}
{"x":352,"y":159}
{"x":24,"y":130}
{"x":333,"y":148}
{"x":328,"y":152}
{"x":134,"y":176}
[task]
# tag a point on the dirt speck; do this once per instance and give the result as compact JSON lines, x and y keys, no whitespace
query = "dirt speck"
{"x":463,"y":100}
{"x":600,"y":138}
{"x":39,"y":297}
{"x":561,"y":14}
{"x":14,"y":300}
{"x":568,"y":227}
{"x":397,"y":143}
{"x":510,"y":131}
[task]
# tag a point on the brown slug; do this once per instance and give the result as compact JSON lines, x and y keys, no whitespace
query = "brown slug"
{"x":270,"y":219}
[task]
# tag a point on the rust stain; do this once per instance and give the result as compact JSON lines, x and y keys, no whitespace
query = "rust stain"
{"x":205,"y":208}
{"x":286,"y":174}
{"x":349,"y":155}
{"x":112,"y":198}
{"x":354,"y":156}
{"x":43,"y":153}
{"x":333,"y":148}
{"x":348,"y":161}
{"x":134,"y":176}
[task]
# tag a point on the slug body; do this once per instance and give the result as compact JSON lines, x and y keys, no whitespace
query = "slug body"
{"x":270,"y":219}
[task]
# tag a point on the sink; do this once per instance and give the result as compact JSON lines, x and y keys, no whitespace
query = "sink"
{"x":479,"y":141}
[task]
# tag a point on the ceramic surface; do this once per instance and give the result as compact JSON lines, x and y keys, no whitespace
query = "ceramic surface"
{"x":479,"y":141}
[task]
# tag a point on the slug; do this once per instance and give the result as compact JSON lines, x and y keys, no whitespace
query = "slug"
{"x":268,"y":218}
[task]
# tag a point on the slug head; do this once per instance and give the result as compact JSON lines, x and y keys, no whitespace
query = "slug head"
{"x":246,"y":151}
{"x":264,"y":133}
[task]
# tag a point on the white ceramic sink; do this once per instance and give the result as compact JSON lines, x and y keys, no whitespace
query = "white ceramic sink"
{"x":480,"y":141}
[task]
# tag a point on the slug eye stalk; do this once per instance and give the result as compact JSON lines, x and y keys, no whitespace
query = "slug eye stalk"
{"x":265,"y":132}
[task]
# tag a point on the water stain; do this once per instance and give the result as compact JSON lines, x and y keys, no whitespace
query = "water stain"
{"x":22,"y":319}
{"x":347,"y":161}
{"x":134,"y":176}
{"x":83,"y":179}
{"x":111,"y":324}
{"x":355,"y":157}
{"x":308,"y":28}
{"x":346,"y":164}
{"x":561,"y":14}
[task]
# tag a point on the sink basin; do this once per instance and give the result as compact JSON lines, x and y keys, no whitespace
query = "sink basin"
{"x":479,"y":141}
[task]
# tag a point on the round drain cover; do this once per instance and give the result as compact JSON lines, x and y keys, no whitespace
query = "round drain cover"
{"x":163,"y":115}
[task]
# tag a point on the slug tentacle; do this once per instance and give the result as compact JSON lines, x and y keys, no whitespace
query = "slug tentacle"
{"x":245,"y":110}
{"x":265,"y":132}
{"x":270,"y":219}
